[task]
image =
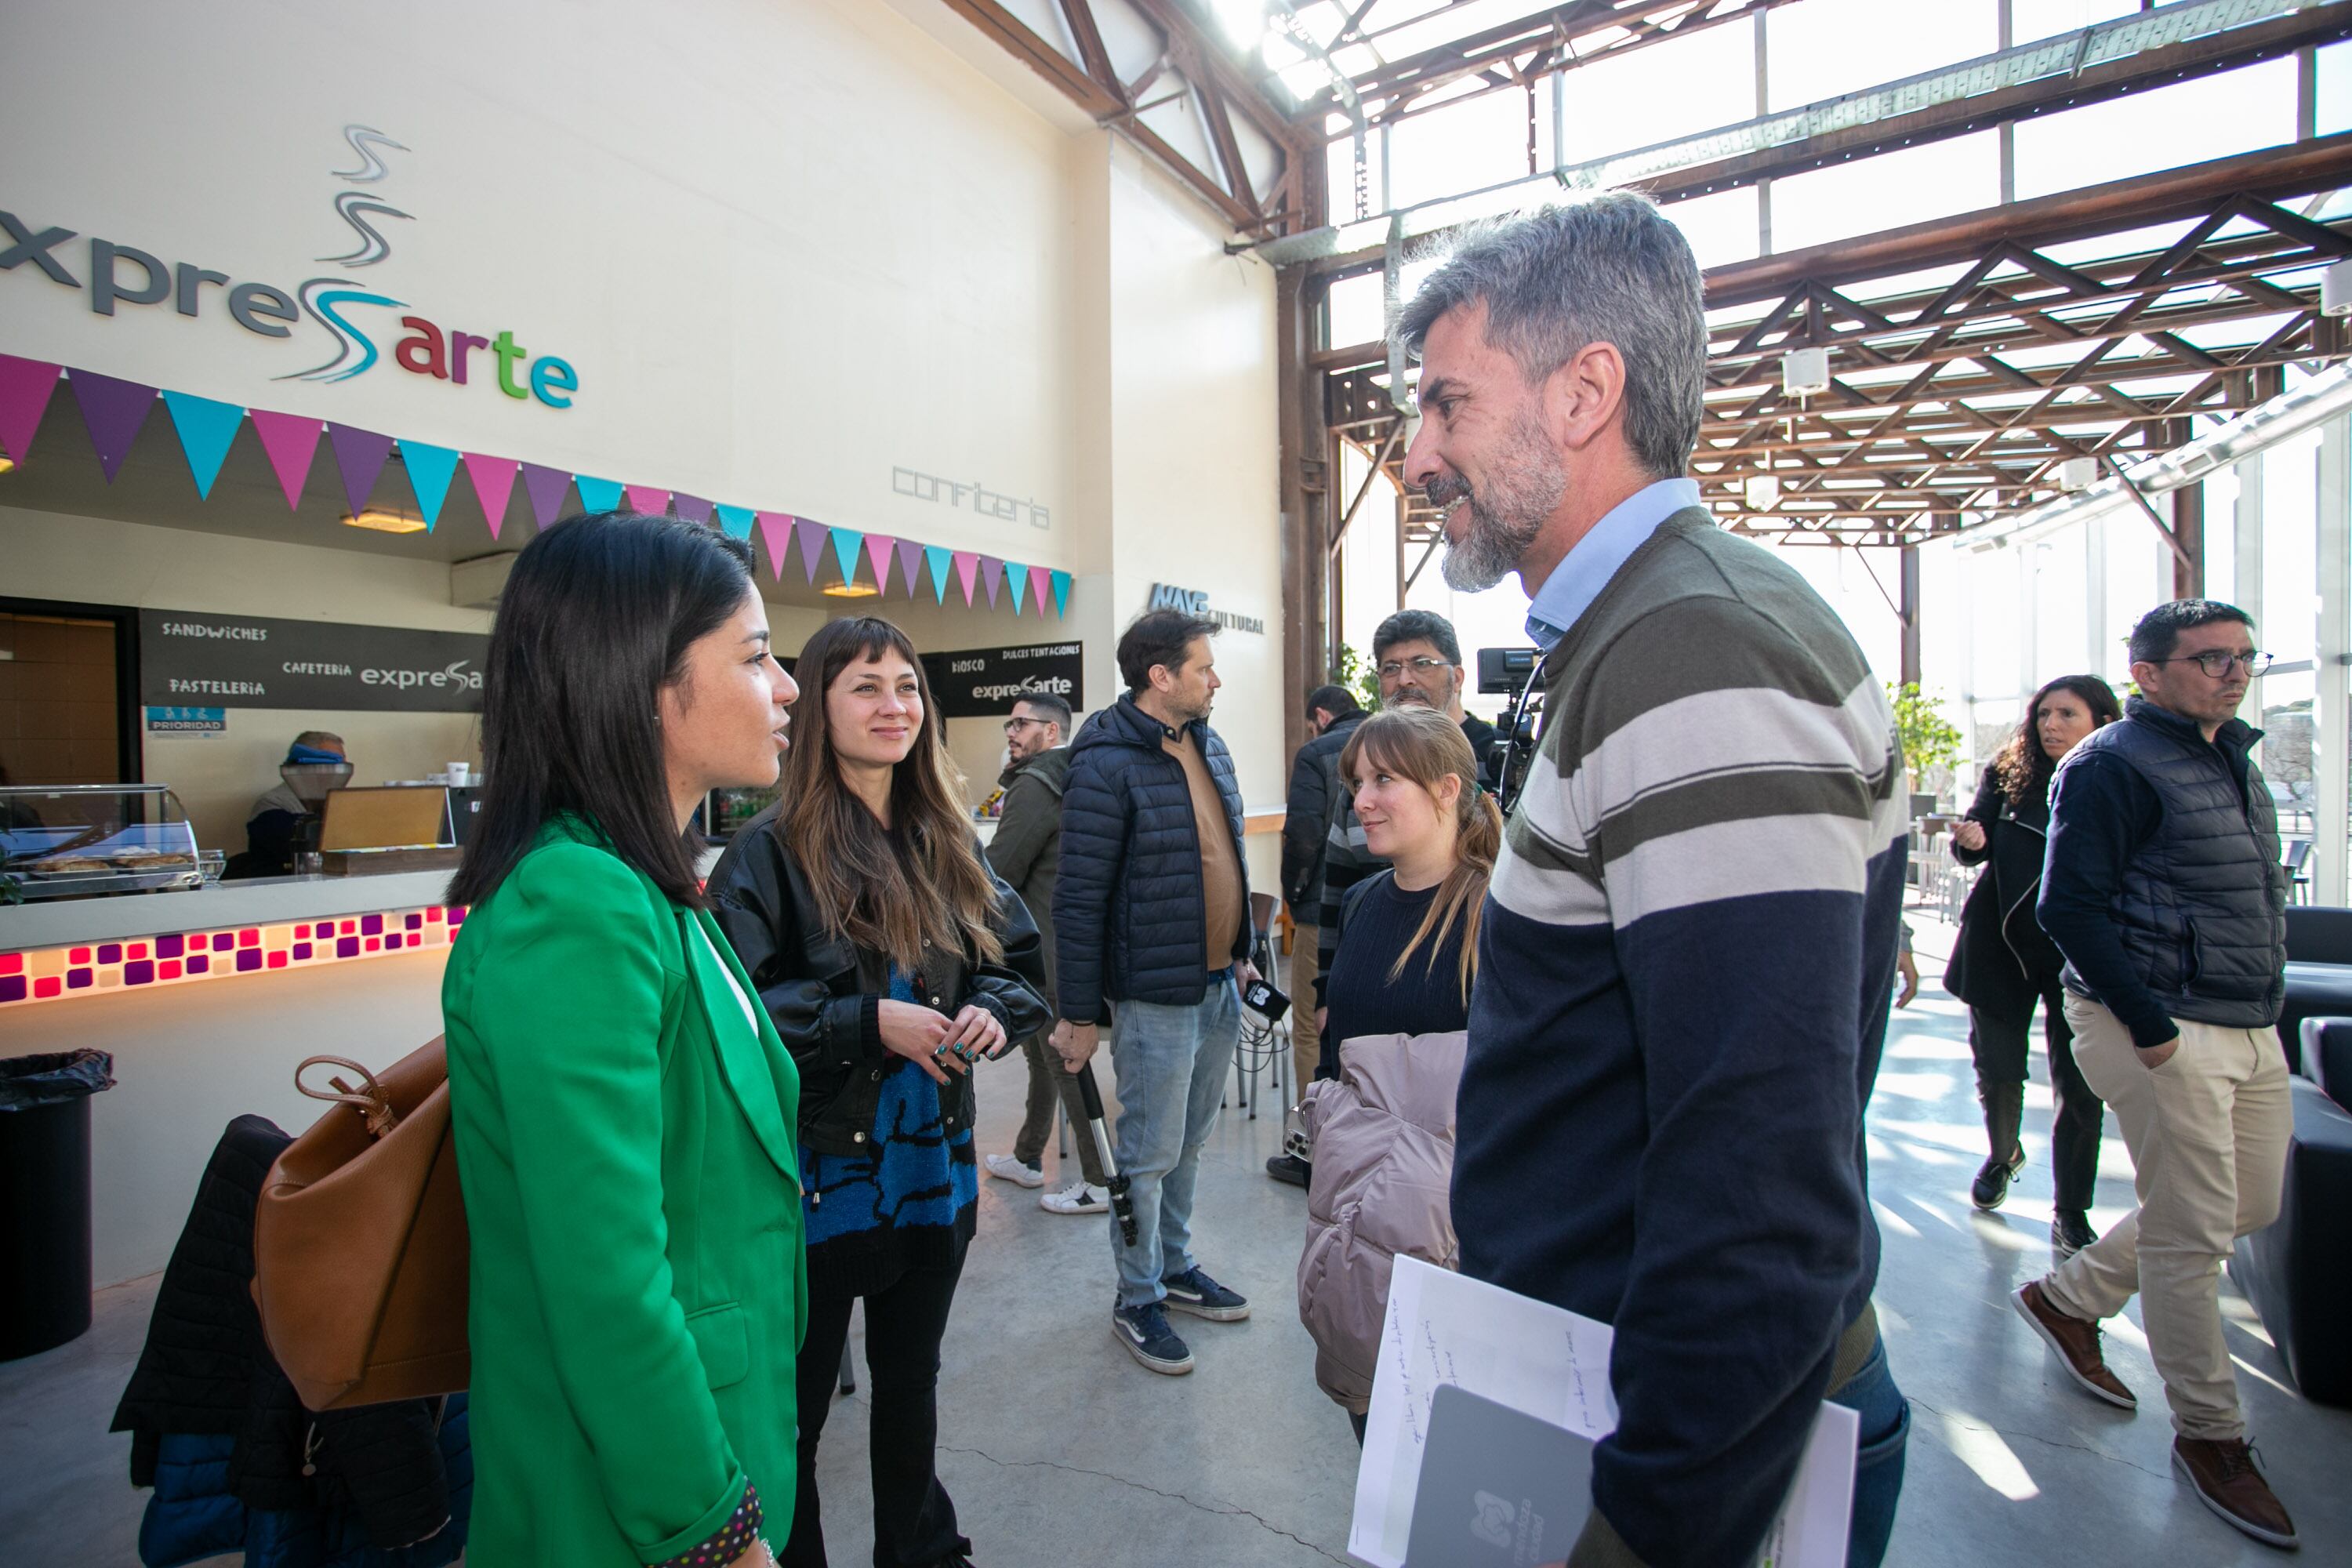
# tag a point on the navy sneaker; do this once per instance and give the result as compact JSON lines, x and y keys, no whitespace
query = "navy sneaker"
{"x":1145,"y":1332}
{"x":1193,"y":1291}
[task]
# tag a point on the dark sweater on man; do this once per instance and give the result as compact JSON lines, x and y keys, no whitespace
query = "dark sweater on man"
{"x":1685,"y":966}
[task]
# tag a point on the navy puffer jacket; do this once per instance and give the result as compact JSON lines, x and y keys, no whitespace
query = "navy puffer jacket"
{"x":1128,"y":915}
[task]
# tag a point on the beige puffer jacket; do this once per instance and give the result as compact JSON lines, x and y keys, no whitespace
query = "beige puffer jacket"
{"x":1384,"y":1137}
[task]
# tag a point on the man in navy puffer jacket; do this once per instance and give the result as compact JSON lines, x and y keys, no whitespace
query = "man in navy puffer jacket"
{"x":1150,"y":916}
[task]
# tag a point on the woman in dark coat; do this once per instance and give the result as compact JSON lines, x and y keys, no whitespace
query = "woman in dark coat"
{"x":2003,"y":964}
{"x":892,"y":959}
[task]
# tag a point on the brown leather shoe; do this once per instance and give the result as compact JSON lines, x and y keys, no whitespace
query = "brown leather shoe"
{"x":2227,"y":1482}
{"x":2076,"y":1342}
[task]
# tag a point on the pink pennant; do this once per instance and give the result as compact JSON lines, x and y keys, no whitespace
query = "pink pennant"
{"x":1041,"y":587}
{"x":647,"y":499}
{"x":879,"y":547}
{"x":290,"y":441}
{"x":967,"y":565}
{"x":910,"y":564}
{"x":25,"y":388}
{"x":494,"y":480}
{"x":776,"y":528}
{"x":992,"y":572}
{"x":811,"y":536}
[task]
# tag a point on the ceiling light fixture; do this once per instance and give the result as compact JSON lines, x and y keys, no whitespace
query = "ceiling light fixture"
{"x":849,"y":590}
{"x":7,"y":463}
{"x":385,"y":522}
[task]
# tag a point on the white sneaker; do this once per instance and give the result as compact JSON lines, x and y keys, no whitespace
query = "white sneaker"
{"x":1080,"y":1198}
{"x":1007,"y":1168}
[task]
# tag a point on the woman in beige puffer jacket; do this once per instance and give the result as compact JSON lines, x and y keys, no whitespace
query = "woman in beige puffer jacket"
{"x":1398,"y":999}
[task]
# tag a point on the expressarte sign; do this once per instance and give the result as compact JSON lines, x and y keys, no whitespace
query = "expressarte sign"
{"x":984,"y":683}
{"x":242,"y":661}
{"x":321,"y":309}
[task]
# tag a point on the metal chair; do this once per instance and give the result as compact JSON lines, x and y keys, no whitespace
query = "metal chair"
{"x":2298,"y":873}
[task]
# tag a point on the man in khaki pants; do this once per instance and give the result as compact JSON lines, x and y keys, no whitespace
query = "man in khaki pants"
{"x":2163,"y":890}
{"x":1316,"y":795}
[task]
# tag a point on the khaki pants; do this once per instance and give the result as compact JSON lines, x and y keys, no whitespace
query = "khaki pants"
{"x":2207,"y":1134}
{"x":1305,"y":1040}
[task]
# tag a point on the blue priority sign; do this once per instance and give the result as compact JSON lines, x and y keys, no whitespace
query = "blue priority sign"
{"x":187,"y":721}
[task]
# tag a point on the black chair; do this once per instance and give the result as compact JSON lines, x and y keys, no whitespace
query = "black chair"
{"x":2298,"y":875}
{"x":2297,"y":1270}
{"x":2318,"y":972}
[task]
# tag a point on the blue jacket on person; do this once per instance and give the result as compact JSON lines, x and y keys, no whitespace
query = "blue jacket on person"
{"x":1128,"y":916}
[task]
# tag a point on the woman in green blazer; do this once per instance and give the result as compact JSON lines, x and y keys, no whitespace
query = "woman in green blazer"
{"x":624,"y":1114}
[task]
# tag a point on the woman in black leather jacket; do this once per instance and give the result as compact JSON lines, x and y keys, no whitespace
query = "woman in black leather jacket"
{"x":893,"y":960}
{"x":2003,"y":964}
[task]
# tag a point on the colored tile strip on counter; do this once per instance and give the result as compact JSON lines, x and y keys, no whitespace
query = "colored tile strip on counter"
{"x":177,"y":958}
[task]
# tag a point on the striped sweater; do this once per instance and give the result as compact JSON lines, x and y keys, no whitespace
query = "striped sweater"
{"x":1685,"y":969}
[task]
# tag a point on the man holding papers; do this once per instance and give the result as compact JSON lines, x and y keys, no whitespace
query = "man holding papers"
{"x":1690,"y":941}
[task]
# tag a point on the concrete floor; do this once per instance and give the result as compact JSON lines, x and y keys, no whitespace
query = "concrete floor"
{"x":1057,"y":1448}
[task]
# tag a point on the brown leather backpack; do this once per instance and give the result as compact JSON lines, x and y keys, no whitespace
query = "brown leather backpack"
{"x":360,"y":1242}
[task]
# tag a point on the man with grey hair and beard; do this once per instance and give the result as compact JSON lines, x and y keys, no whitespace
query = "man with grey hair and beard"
{"x":1689,"y":941}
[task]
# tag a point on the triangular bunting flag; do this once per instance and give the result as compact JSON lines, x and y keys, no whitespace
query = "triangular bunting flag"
{"x":546,"y":486}
{"x":846,"y":542}
{"x":737,"y":521}
{"x":113,"y":410}
{"x":910,"y":565}
{"x":694,"y":509}
{"x":1061,"y":593}
{"x":1040,"y":585}
{"x":1016,"y":577}
{"x":940,"y":559}
{"x":493,"y":480}
{"x":289,"y":441}
{"x":992,"y":572}
{"x":430,"y":470}
{"x":360,"y":455}
{"x":967,"y":567}
{"x":810,"y":536}
{"x":651,"y":500}
{"x":25,"y":388}
{"x":879,"y":548}
{"x":598,"y":495}
{"x":206,"y":428}
{"x":776,"y":528}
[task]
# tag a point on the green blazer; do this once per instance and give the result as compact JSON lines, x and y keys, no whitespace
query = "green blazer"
{"x":639,"y":1283}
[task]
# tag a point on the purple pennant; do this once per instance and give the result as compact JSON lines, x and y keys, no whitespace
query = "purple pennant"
{"x":693,"y":508}
{"x":991,"y":573}
{"x":910,"y":564}
{"x":546,"y":486}
{"x":113,"y":410}
{"x":360,"y":455}
{"x":811,"y":536}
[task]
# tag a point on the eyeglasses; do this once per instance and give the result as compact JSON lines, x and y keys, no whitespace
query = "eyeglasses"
{"x":2216,"y":662}
{"x":1424,"y":664}
{"x":1013,"y":726}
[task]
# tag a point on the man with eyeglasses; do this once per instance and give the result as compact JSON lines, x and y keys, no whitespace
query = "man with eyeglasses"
{"x":2163,"y":887}
{"x":1026,"y":851}
{"x":1419,"y":661}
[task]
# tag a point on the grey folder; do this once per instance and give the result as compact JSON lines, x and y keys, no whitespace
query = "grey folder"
{"x":1499,"y":1488}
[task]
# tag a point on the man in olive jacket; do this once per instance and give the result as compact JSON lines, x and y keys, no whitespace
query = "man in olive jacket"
{"x":1026,"y":851}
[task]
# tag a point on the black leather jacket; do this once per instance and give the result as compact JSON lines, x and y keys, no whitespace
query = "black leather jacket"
{"x":826,"y":993}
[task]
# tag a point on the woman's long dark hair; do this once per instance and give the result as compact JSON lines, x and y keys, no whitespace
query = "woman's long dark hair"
{"x":594,"y":621}
{"x":919,"y":882}
{"x":2021,"y":768}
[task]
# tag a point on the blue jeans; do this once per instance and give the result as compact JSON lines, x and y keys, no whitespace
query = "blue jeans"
{"x":1170,"y":1063}
{"x":1879,"y":1460}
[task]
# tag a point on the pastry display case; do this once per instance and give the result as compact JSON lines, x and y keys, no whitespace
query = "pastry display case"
{"x":62,"y":841}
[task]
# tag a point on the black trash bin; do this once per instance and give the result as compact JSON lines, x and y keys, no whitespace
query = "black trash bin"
{"x":45,"y":1197}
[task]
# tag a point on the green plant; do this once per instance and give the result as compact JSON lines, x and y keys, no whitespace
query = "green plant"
{"x":1929,"y":740}
{"x":1351,"y":670}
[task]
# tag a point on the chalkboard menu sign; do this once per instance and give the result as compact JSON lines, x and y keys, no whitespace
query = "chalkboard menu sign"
{"x":984,"y":683}
{"x":188,"y":659}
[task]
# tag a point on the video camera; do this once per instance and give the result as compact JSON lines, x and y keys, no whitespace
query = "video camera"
{"x":1511,"y":672}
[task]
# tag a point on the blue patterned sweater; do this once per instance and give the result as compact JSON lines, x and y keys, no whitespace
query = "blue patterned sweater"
{"x":911,"y":1203}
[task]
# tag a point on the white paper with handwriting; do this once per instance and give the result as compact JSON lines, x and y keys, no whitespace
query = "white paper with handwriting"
{"x":1550,"y":1363}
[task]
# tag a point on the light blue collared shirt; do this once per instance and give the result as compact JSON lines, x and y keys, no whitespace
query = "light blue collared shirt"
{"x":1587,"y":569}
